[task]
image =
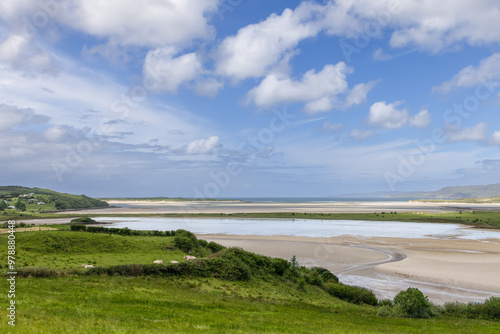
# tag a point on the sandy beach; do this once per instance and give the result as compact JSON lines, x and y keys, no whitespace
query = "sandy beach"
{"x":135,"y":207}
{"x":445,"y":270}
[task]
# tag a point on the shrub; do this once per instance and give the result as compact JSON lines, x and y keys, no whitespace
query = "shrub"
{"x":491,"y":308}
{"x":83,"y":220}
{"x":78,"y":227}
{"x":37,"y":272}
{"x":280,"y":266}
{"x":455,"y":309}
{"x":326,"y":275}
{"x":184,"y":243}
{"x":215,"y":247}
{"x":352,"y":294}
{"x":385,"y":311}
{"x":314,"y":278}
{"x":412,"y":303}
{"x":386,"y":302}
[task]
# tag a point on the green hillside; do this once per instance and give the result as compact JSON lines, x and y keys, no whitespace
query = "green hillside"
{"x":223,"y":291}
{"x":42,"y":200}
{"x":461,"y":192}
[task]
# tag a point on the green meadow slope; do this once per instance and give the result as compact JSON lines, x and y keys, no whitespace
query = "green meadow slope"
{"x":224,"y":291}
{"x":32,"y":199}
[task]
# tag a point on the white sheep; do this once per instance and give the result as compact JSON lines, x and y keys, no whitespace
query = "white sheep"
{"x":174,"y":261}
{"x":158,"y":262}
{"x":189,"y":257}
{"x":87,"y":266}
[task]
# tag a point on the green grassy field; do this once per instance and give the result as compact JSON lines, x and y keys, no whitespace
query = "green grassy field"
{"x":81,"y":303}
{"x":66,"y":250}
{"x":159,"y":305}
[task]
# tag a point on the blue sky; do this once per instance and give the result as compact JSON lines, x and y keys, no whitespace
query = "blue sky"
{"x":243,"y":98}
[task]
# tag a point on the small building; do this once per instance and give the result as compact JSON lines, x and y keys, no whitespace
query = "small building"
{"x":10,"y":207}
{"x":41,"y":203}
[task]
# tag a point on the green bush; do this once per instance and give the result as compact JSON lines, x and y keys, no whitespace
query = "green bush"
{"x":326,"y":275}
{"x":280,"y":266}
{"x":314,"y":278}
{"x":412,"y":303}
{"x":78,"y":227}
{"x":351,"y":294}
{"x":37,"y":272}
{"x":215,"y":247}
{"x":489,"y":310}
{"x":84,"y":220}
{"x":386,"y":302}
{"x":185,"y":244}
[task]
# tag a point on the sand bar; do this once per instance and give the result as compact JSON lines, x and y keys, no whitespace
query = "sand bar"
{"x":137,"y":207}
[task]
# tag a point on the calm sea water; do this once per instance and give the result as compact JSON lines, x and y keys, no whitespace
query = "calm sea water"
{"x":314,"y":199}
{"x":303,"y":227}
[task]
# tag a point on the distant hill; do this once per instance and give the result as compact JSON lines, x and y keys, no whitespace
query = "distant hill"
{"x":51,"y":198}
{"x":460,"y":192}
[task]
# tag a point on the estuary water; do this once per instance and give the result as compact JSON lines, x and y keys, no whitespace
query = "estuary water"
{"x":303,"y":227}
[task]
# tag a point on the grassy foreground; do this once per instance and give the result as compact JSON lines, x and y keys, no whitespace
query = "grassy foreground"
{"x":77,"y":301}
{"x":156,"y":305}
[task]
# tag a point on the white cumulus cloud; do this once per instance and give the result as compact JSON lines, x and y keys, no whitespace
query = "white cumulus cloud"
{"x":150,"y":23}
{"x":495,"y":138}
{"x":163,"y":71}
{"x":257,"y":47}
{"x":486,"y":73}
{"x":202,"y":146}
{"x":319,"y":90}
{"x":389,"y":116}
{"x":21,"y":54}
{"x":421,"y":120}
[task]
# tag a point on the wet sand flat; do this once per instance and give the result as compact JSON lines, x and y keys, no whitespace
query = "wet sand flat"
{"x":135,"y":207}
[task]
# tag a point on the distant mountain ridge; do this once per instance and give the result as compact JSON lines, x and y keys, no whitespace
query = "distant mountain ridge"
{"x":459,"y":192}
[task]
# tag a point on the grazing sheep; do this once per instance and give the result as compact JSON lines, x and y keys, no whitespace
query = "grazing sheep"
{"x":173,"y":261}
{"x":158,"y":262}
{"x":189,"y":257}
{"x":87,"y":266}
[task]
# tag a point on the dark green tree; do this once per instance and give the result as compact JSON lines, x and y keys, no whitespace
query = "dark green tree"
{"x":21,"y":206}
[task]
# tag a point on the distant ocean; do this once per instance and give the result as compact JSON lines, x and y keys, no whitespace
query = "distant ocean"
{"x":312,"y":199}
